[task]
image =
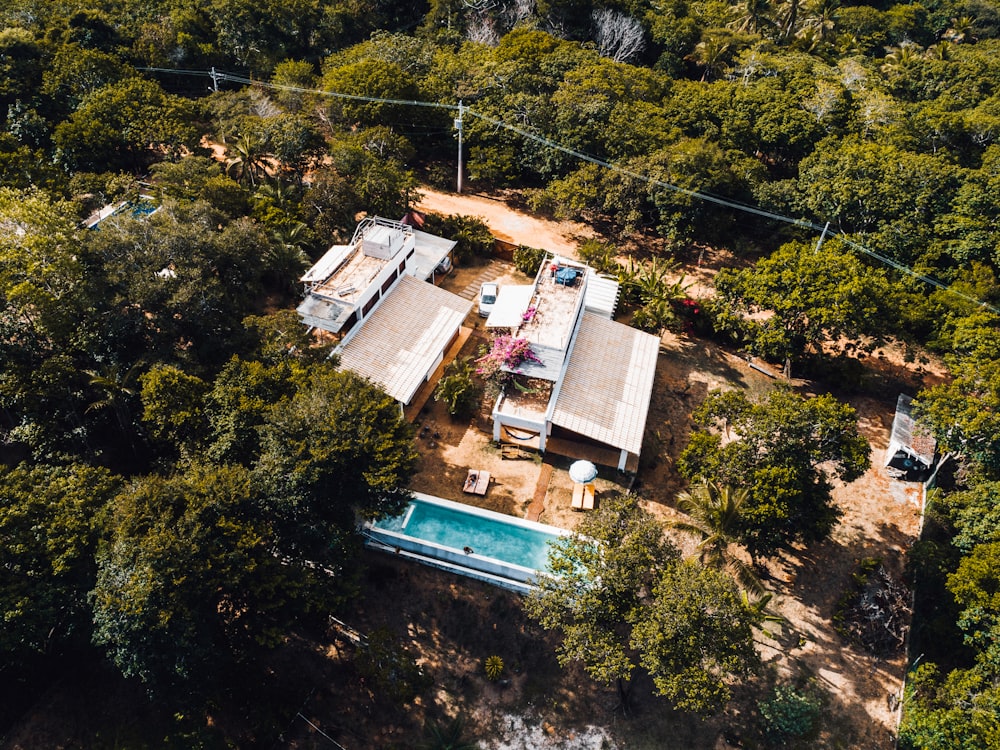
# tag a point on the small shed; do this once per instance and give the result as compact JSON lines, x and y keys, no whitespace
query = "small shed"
{"x":911,"y":452}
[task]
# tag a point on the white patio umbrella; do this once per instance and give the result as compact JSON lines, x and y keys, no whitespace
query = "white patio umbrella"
{"x":583,"y":472}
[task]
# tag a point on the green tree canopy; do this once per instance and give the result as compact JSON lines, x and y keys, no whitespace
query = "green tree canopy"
{"x":51,"y":518}
{"x":337,"y":450}
{"x":801,"y":298}
{"x":696,"y":637}
{"x":188,"y":582}
{"x":125,"y":125}
{"x":785,"y":450}
{"x":620,"y":596}
{"x":964,"y":414}
{"x":173,"y":407}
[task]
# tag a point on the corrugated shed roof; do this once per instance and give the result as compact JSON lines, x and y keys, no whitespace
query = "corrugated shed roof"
{"x":609,"y":381}
{"x":908,"y":435}
{"x":402,"y":339}
{"x":601,"y":295}
{"x":549,"y":366}
{"x":430,"y":250}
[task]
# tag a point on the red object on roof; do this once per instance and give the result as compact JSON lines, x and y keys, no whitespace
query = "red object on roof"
{"x":413,"y":218}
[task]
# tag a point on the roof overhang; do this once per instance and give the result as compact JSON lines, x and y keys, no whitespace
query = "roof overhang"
{"x":509,"y":309}
{"x":429,"y":251}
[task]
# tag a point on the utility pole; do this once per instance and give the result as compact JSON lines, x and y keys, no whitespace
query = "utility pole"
{"x":215,"y":80}
{"x":819,"y":242}
{"x":458,"y":127}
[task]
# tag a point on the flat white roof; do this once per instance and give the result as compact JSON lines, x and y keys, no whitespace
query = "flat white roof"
{"x":608,"y":383}
{"x":430,"y":250}
{"x":325,"y":266}
{"x":512,"y":302}
{"x":398,"y":345}
{"x":553,"y":322}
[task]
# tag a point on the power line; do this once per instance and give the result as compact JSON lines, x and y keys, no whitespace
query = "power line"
{"x":549,"y":143}
{"x":320,"y":731}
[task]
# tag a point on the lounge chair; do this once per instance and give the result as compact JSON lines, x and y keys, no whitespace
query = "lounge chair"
{"x":577,"y":503}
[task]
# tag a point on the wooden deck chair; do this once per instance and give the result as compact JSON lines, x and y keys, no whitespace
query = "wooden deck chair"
{"x":577,"y":503}
{"x":588,"y":497}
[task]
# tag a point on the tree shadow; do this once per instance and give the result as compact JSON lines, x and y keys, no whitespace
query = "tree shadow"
{"x":811,"y":583}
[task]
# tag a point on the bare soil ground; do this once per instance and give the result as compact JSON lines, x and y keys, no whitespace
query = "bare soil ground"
{"x":507,"y":224}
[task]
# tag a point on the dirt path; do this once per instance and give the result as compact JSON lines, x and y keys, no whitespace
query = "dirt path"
{"x":509,"y":223}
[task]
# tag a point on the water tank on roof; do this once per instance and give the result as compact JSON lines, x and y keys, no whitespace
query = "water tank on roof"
{"x":382,"y":242}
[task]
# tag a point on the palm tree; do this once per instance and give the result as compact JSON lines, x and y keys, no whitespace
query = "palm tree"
{"x":714,"y":514}
{"x":752,"y":16}
{"x":820,"y":19}
{"x":962,"y":29}
{"x":286,"y":259}
{"x":710,"y":54}
{"x":276,"y":191}
{"x":789,"y":21}
{"x":248,"y":162}
{"x":899,"y":60}
{"x":116,"y":390}
{"x":764,"y":614}
{"x":943,"y":50}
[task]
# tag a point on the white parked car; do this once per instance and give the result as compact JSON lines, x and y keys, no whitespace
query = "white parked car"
{"x":487,"y":298}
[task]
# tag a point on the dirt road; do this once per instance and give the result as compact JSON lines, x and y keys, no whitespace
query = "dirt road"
{"x":508,"y":223}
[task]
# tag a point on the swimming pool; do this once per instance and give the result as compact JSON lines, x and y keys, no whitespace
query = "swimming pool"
{"x":470,"y":540}
{"x":140,"y":208}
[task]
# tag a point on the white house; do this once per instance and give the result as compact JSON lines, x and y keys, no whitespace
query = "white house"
{"x":394,"y":327}
{"x":344,"y":286}
{"x":594,"y":377}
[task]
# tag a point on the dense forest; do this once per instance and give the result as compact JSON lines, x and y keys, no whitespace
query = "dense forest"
{"x":159,"y":401}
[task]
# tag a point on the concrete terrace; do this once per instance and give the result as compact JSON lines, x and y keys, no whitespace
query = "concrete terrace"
{"x":555,"y":306}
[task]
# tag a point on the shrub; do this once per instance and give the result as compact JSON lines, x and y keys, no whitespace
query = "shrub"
{"x":505,"y":351}
{"x":391,"y":667}
{"x":874,"y":611}
{"x":458,"y":389}
{"x":494,"y":667}
{"x":789,"y":713}
{"x":447,"y":736}
{"x":599,"y":255}
{"x":528,"y":259}
{"x":471,"y":234}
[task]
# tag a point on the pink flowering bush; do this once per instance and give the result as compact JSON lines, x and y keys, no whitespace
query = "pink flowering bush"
{"x":504,"y":351}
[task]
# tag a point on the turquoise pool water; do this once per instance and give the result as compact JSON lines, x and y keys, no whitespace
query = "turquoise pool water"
{"x":486,"y":533}
{"x":137,"y":209}
{"x":142,"y":208}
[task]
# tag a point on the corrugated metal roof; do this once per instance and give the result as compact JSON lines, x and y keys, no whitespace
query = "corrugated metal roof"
{"x":548,"y":368}
{"x":608,"y":383}
{"x":401,"y":341}
{"x":601,"y":295}
{"x":908,"y":435}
